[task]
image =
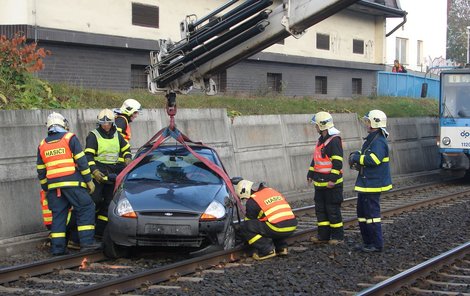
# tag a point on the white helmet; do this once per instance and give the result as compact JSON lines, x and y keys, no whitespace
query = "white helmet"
{"x":105,"y":116}
{"x":130,"y":106}
{"x":56,"y":119}
{"x":324,"y":120}
{"x":244,"y":188}
{"x":377,"y":119}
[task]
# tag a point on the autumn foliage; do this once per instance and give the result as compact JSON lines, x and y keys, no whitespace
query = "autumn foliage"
{"x":18,"y":87}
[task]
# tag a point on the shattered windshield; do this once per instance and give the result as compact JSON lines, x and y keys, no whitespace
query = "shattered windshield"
{"x":455,"y":96}
{"x":176,"y":164}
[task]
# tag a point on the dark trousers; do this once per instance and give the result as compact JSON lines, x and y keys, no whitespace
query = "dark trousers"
{"x":328,"y":211}
{"x":84,"y":208}
{"x":261,"y":237}
{"x":368,"y":215}
{"x":102,"y":197}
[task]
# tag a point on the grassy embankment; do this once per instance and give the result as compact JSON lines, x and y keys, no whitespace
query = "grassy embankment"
{"x":67,"y":97}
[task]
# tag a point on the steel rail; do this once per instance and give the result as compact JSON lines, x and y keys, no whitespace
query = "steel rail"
{"x":407,"y":277}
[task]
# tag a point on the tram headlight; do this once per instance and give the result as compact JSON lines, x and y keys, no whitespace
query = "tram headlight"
{"x":446,"y":141}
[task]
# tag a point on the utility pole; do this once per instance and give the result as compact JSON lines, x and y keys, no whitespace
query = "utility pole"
{"x":468,"y":45}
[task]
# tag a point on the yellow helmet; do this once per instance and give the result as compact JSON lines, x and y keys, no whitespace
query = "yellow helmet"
{"x":324,"y":120}
{"x":56,"y":119}
{"x":105,"y":116}
{"x":377,"y":118}
{"x":130,"y":106}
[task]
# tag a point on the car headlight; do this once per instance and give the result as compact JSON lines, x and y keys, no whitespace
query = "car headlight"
{"x":124,"y":209}
{"x":446,"y":141}
{"x":214,"y":211}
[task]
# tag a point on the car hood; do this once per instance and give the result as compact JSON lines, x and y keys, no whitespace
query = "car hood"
{"x":151,"y":196}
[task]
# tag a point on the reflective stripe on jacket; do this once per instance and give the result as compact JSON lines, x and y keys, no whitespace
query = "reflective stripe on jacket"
{"x":108,"y":149}
{"x":58,"y":157}
{"x":273,"y":205}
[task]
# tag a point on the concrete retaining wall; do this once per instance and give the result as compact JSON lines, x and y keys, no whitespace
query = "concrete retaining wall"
{"x":274,"y":148}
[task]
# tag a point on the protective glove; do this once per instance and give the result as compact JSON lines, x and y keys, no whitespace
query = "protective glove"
{"x":91,"y":186}
{"x":127,"y":161}
{"x":98,"y":175}
{"x":351,"y":159}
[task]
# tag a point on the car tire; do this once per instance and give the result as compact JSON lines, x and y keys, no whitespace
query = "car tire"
{"x":227,"y":239}
{"x":111,"y":249}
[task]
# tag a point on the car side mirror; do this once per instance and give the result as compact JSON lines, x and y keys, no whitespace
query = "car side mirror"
{"x":236,"y":180}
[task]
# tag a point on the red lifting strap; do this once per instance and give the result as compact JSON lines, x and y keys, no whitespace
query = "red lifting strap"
{"x":160,"y":137}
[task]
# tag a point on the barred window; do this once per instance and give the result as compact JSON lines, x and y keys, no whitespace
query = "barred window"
{"x":323,"y":41}
{"x":358,"y":46}
{"x":274,"y":82}
{"x":321,"y":85}
{"x":138,"y":76}
{"x":221,"y":81}
{"x":357,"y":86}
{"x":145,"y":15}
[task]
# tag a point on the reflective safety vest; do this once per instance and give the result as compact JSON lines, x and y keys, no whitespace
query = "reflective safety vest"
{"x":127,"y":133}
{"x":57,"y":157}
{"x":46,"y":213}
{"x":108,"y":149}
{"x":323,"y":164}
{"x":274,"y":206}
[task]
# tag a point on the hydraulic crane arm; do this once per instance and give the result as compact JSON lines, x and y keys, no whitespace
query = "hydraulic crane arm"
{"x":213,"y":43}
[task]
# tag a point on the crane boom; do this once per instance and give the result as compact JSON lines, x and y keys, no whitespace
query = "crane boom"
{"x":223,"y":41}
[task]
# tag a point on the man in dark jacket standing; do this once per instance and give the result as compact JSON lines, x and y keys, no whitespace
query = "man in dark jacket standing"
{"x":373,"y":164}
{"x":326,"y":173}
{"x":64,"y":175}
{"x":108,"y":153}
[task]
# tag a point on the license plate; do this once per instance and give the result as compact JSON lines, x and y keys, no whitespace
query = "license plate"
{"x":168,"y":229}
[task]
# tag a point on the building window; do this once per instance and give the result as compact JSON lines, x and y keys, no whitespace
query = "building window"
{"x":274,"y":82}
{"x":419,"y":50}
{"x":358,"y":46}
{"x":145,"y":15}
{"x":323,"y":41}
{"x":321,"y":85}
{"x":357,"y":86}
{"x":221,"y":81}
{"x":401,"y":50}
{"x":138,"y":76}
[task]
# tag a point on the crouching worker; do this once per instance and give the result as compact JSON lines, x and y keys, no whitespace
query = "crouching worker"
{"x":269,"y":219}
{"x":64,"y":175}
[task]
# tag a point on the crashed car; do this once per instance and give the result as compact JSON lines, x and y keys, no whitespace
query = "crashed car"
{"x":172,"y":199}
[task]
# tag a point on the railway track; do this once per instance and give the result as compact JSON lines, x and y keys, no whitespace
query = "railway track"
{"x":446,"y":274}
{"x":70,"y":276}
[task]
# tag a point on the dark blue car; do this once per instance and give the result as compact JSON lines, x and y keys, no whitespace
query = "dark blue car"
{"x":171,"y":199}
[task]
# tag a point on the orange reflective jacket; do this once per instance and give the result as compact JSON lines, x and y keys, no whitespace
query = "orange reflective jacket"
{"x":46,"y":213}
{"x":323,"y":164}
{"x":127,"y":133}
{"x":58,"y":157}
{"x":274,"y":206}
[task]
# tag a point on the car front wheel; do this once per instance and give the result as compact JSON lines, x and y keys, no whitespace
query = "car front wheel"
{"x":111,"y":249}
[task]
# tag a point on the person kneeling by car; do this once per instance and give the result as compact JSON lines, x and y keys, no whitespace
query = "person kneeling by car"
{"x":269,"y":219}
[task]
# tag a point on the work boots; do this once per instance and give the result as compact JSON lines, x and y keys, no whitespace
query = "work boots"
{"x":91,"y":247}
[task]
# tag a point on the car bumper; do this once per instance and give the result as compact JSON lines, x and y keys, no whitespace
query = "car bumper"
{"x":150,"y":230}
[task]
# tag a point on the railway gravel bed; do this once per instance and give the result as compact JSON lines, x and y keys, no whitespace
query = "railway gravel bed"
{"x":335,"y":270}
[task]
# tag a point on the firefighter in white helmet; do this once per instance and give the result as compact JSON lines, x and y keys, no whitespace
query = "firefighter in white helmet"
{"x":373,"y":164}
{"x":269,"y":219}
{"x":326,"y":174}
{"x":128,"y":112}
{"x":108,"y":153}
{"x":64,"y":175}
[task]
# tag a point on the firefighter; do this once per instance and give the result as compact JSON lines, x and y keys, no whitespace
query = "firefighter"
{"x":64,"y":174}
{"x":128,"y":112}
{"x":326,"y":173}
{"x":269,"y":219}
{"x":373,"y":164}
{"x":108,"y":153}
